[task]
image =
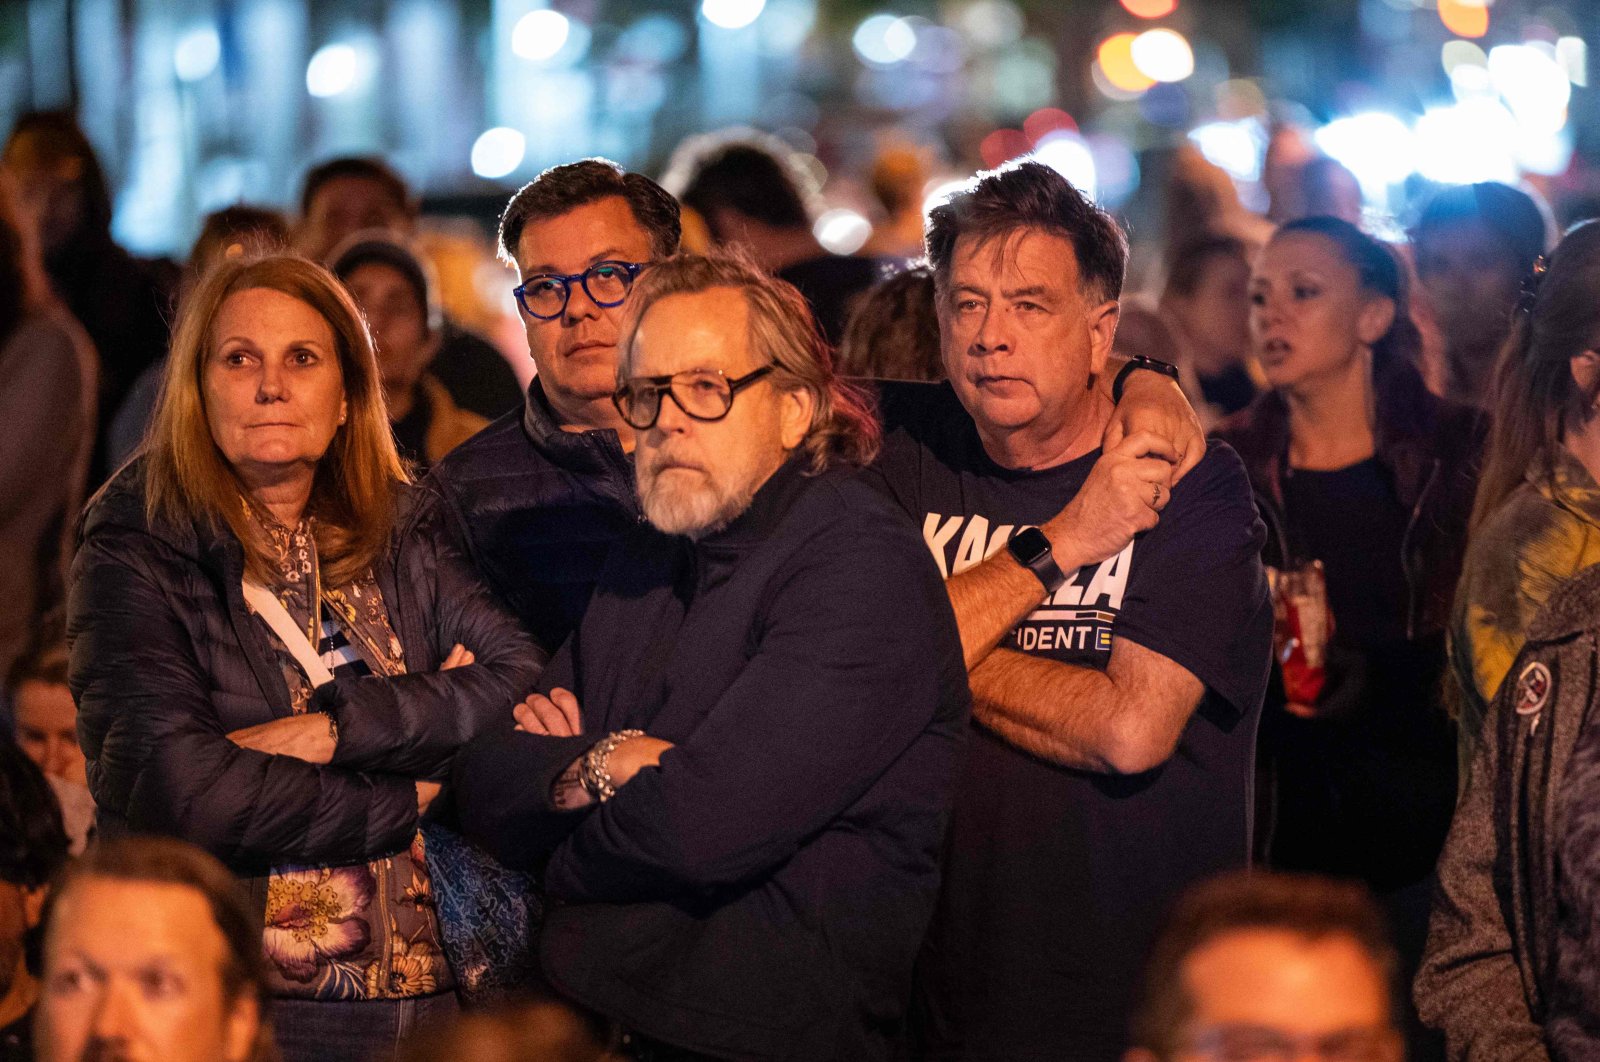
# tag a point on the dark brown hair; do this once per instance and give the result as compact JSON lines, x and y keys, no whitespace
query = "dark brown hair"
{"x":361,"y":167}
{"x":1380,"y":274}
{"x":1031,"y":195}
{"x":742,"y":170}
{"x":1535,"y":397}
{"x":1306,"y":906}
{"x":168,"y":861}
{"x":843,"y":427}
{"x":1190,"y":261}
{"x":893,"y":332}
{"x":575,"y":184}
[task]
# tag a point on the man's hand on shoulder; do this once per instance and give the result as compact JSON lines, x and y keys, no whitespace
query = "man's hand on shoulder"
{"x":1123,"y":495}
{"x":1155,"y":404}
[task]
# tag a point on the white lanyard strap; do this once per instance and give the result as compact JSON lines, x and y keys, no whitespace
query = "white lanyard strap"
{"x":267,"y":605}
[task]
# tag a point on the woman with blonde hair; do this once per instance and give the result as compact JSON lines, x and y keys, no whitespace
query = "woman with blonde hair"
{"x":273,"y":654}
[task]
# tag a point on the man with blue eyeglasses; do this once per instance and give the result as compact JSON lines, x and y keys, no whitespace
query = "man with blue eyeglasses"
{"x":538,"y":498}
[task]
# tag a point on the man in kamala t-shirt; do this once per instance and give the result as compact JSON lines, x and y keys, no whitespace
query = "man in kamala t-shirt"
{"x":1116,"y":627}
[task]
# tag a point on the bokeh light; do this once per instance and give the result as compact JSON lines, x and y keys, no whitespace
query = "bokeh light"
{"x":1533,"y":86}
{"x":732,"y":14}
{"x":884,"y":40}
{"x":1378,"y":148}
{"x":1236,"y":146}
{"x":1003,"y":145}
{"x":842,"y":231}
{"x":497,"y":152}
{"x":332,"y":70}
{"x":1573,"y":55}
{"x":1471,"y":141}
{"x":1115,"y":60}
{"x":196,"y":54}
{"x":1068,"y":154}
{"x":1464,"y":18}
{"x":539,"y":35}
{"x":1162,"y":55}
{"x":1460,"y":53}
{"x":1046,"y":120}
{"x":1150,"y":8}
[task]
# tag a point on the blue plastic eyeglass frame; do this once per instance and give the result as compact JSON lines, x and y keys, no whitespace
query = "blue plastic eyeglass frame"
{"x":633,"y":269}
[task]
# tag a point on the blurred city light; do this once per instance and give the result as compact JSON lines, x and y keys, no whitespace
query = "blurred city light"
{"x":884,"y":40}
{"x":1068,"y":154}
{"x":197,"y":54}
{"x":1465,"y":18}
{"x":1573,"y":55}
{"x":1459,"y":53}
{"x":1046,"y":120}
{"x":842,"y":231}
{"x":1237,"y":147}
{"x":1471,"y":141}
{"x":1533,"y":86}
{"x":1162,"y":55}
{"x":1003,"y":145}
{"x":539,"y":35}
{"x":332,"y":70}
{"x":732,"y":14}
{"x":1150,"y":8}
{"x":991,"y":23}
{"x":658,"y":39}
{"x":497,"y":152}
{"x":1115,"y":60}
{"x":1378,"y":148}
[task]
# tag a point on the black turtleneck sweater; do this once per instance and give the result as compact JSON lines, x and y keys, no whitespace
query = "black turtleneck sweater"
{"x":762,"y":893}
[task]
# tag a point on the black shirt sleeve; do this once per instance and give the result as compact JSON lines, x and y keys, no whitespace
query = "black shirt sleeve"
{"x":1197,"y":593}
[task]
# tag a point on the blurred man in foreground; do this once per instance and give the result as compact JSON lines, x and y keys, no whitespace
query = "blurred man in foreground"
{"x":151,"y":955}
{"x":1270,"y":966}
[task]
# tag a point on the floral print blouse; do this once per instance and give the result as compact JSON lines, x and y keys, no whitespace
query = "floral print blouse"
{"x":367,"y":931}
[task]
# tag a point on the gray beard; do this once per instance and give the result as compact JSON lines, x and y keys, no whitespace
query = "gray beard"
{"x":693,"y":513}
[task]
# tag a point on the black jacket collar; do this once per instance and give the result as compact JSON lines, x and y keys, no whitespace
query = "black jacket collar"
{"x":594,"y":451}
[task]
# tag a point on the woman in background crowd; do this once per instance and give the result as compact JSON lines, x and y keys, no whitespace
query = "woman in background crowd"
{"x":272,"y":661}
{"x":1474,"y":247}
{"x":46,"y":722}
{"x":1365,"y":480}
{"x":1206,"y":305}
{"x":1536,"y":522}
{"x":390,"y":285}
{"x":47,"y":410}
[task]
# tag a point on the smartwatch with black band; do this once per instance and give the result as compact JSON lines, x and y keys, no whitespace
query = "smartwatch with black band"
{"x":1031,"y":549}
{"x":1139,"y":361}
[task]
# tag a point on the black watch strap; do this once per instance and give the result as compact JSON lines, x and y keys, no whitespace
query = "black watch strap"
{"x":1139,"y":361}
{"x":1031,"y":549}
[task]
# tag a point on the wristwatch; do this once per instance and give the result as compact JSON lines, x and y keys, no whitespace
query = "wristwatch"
{"x":1031,"y":549}
{"x":1139,"y":361}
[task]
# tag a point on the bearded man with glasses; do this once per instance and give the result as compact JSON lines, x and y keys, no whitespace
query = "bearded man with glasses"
{"x":736,"y":776}
{"x":537,"y":498}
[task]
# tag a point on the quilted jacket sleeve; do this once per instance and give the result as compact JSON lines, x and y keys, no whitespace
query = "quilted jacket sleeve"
{"x":413,"y":725}
{"x":159,"y":758}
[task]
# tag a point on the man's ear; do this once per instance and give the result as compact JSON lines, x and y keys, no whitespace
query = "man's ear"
{"x":1102,"y":333}
{"x":33,"y":905}
{"x":242,"y":1028}
{"x":1376,"y":315}
{"x":797,"y":410}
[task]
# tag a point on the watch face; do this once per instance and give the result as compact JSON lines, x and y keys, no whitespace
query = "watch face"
{"x":1028,"y":545}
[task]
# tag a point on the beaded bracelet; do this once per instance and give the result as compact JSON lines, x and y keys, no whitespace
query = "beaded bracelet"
{"x":595,"y":774}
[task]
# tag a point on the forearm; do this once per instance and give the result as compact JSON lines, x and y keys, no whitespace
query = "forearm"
{"x":1125,"y":720}
{"x":991,"y":598}
{"x":1060,"y":713}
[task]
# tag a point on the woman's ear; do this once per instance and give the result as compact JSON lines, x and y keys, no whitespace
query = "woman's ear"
{"x":1585,"y":370}
{"x":1377,"y":314}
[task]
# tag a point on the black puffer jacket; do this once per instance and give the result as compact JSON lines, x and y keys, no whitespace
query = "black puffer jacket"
{"x":166,"y":661}
{"x":538,"y":509}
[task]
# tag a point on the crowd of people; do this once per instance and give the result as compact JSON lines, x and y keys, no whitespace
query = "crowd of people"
{"x":933,"y":653}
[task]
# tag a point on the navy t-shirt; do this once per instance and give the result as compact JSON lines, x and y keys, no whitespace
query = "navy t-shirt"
{"x":1055,"y":879}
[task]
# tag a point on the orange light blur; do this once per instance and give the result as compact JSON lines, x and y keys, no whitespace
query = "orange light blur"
{"x":1116,"y":61}
{"x":1464,"y":19}
{"x":1150,"y":8}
